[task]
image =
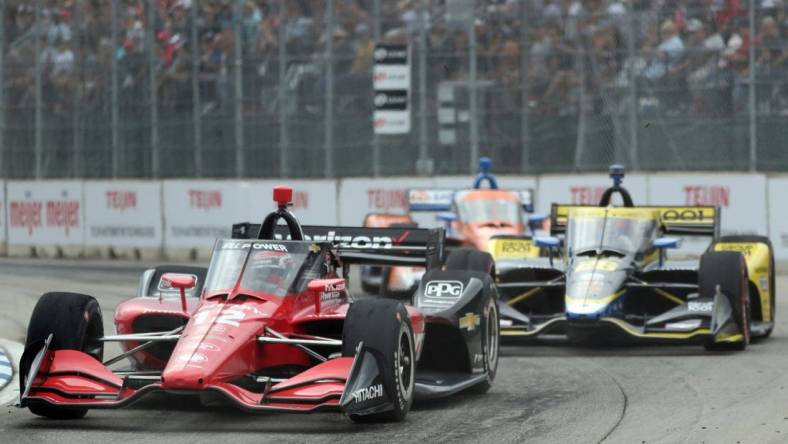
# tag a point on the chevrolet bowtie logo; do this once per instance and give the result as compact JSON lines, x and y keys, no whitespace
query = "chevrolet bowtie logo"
{"x":470,"y":321}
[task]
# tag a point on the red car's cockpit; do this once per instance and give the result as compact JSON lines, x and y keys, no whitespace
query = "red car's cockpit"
{"x":257,"y":268}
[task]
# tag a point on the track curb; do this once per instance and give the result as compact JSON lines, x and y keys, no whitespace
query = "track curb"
{"x":6,"y":369}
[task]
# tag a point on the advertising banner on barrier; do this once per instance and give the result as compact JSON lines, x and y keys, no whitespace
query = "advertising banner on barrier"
{"x":196,"y":212}
{"x":778,"y":216}
{"x":741,"y":198}
{"x":361,"y":196}
{"x":314,"y":201}
{"x":45,"y":213}
{"x":123,"y":213}
{"x":584,"y":189}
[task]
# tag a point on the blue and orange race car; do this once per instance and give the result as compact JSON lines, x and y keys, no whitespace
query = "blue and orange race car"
{"x":489,"y":219}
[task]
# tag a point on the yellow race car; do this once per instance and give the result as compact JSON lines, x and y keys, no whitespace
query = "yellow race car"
{"x":608,"y":278}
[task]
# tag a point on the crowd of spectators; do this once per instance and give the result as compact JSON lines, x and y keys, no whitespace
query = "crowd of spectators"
{"x":680,"y":56}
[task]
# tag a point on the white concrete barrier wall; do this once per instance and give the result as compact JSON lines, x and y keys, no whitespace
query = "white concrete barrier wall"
{"x":123,"y":214}
{"x":45,"y":214}
{"x":190,"y":214}
{"x":778,"y":215}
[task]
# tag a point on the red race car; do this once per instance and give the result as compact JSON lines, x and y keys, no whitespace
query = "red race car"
{"x":271,"y":327}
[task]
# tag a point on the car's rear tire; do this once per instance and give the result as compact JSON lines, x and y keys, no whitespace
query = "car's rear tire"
{"x":386,"y":292}
{"x":490,"y":346}
{"x":366,"y":287}
{"x":470,"y":259}
{"x":751,"y":238}
{"x":74,"y":320}
{"x":728,"y":270}
{"x":384,"y":327}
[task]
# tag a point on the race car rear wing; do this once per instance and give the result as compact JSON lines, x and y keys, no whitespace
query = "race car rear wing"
{"x":686,"y":221}
{"x":440,"y":200}
{"x":369,"y":246}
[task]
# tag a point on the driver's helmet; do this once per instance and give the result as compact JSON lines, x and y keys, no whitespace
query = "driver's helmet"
{"x":270,"y":269}
{"x":621,"y":234}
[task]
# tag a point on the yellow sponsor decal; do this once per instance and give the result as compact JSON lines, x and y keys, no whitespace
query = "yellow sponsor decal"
{"x":593,"y":264}
{"x":687,"y":215}
{"x":512,"y":248}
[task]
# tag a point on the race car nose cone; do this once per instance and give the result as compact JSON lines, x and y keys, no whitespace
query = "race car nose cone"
{"x":584,"y":311}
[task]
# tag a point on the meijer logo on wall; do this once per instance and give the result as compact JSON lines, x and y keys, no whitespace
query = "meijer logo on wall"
{"x":27,"y":214}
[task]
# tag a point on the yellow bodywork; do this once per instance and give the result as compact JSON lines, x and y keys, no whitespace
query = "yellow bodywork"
{"x":666,"y":216}
{"x":503,"y":248}
{"x":756,"y":255}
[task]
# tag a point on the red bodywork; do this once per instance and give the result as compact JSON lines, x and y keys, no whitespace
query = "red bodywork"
{"x":217,"y":348}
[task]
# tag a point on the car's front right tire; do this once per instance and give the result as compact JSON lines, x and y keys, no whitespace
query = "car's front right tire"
{"x":74,"y":320}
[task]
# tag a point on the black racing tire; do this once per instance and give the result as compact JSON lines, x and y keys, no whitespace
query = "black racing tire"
{"x":384,"y":327}
{"x":385,"y":292}
{"x":76,"y":323}
{"x":470,"y":259}
{"x":728,"y":270}
{"x":366,"y":287}
{"x":752,"y":238}
{"x":491,"y":340}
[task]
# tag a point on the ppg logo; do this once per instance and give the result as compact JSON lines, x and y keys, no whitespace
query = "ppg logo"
{"x":443,"y":289}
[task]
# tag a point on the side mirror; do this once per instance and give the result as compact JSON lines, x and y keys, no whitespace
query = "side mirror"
{"x":535,"y":221}
{"x":179,"y":280}
{"x":447,"y":217}
{"x":549,"y":242}
{"x":667,"y":242}
{"x":663,"y":243}
{"x":182,"y":282}
{"x":327,"y":292}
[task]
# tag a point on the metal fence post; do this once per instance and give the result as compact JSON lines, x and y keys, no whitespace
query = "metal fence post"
{"x":633,"y":93}
{"x":196,"y":104}
{"x":422,"y":44}
{"x":282,"y":89}
{"x":328,"y":167}
{"x":153,"y":93}
{"x":238,"y":78}
{"x":114,"y":90}
{"x":473,"y":102}
{"x":525,"y":130}
{"x":376,"y":31}
{"x":752,"y":105}
{"x":580,"y":143}
{"x":39,"y":118}
{"x":77,"y":74}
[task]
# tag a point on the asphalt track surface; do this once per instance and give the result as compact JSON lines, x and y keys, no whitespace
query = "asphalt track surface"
{"x":548,"y":393}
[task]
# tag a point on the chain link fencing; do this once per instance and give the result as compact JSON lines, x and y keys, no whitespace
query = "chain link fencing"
{"x":284,"y":88}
